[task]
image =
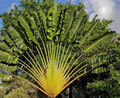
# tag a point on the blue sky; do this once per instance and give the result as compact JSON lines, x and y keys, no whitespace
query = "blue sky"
{"x":5,"y":5}
{"x":106,"y":9}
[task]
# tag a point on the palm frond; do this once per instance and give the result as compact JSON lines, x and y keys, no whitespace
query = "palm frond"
{"x":5,"y":73}
{"x":7,"y":57}
{"x":27,"y":29}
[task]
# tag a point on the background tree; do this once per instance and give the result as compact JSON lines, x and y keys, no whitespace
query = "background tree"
{"x":18,"y":89}
{"x":106,"y":83}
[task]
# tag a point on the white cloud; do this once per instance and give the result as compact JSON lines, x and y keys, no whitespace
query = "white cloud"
{"x":13,"y":6}
{"x":106,"y":9}
{"x":73,"y":1}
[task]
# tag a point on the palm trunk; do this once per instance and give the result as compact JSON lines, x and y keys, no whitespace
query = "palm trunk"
{"x":70,"y":91}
